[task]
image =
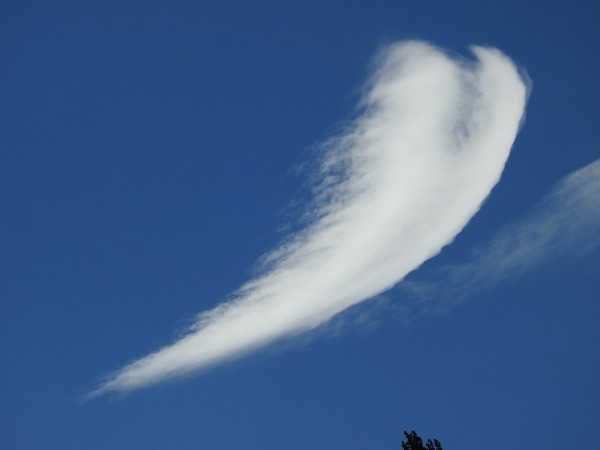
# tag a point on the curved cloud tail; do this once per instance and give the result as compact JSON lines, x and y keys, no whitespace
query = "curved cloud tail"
{"x":431,"y":141}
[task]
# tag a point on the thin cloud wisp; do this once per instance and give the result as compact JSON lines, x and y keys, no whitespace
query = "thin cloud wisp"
{"x":566,"y":222}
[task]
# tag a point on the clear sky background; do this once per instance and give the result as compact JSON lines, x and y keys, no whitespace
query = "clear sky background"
{"x":146,"y":162}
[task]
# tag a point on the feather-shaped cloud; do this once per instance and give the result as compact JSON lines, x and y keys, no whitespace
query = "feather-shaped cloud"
{"x":430,"y":143}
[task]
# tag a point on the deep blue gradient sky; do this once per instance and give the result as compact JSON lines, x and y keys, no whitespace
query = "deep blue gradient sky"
{"x":146,"y":156}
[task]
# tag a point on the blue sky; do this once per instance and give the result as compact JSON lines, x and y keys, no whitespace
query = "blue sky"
{"x":149,"y":157}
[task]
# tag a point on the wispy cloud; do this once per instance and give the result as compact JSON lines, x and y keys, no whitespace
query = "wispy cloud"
{"x":566,"y":222}
{"x":430,"y":142}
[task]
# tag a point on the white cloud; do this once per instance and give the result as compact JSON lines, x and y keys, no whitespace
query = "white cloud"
{"x":430,"y":143}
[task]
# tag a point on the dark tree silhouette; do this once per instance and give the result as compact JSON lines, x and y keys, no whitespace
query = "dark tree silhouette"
{"x":414,"y":442}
